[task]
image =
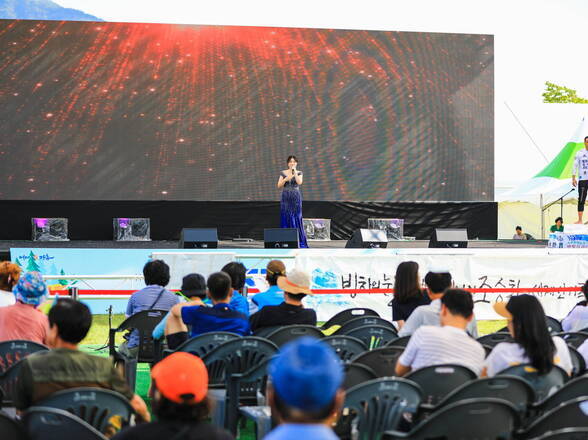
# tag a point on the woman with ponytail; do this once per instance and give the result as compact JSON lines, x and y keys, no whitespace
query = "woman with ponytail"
{"x":532,"y":342}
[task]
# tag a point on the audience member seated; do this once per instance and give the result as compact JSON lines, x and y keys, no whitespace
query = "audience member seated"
{"x":179,"y":402}
{"x":577,"y":319}
{"x":519,"y":234}
{"x":194,"y":293}
{"x":153,"y":296}
{"x":201,"y":319}
{"x":24,"y":320}
{"x":65,"y":366}
{"x":437,"y":282}
{"x":408,"y":294}
{"x":583,"y":350}
{"x":274,"y":295}
{"x":237,"y":272}
{"x":532,"y":342}
{"x":9,"y":275}
{"x":558,"y":226}
{"x":305,"y":393}
{"x":291,"y":311}
{"x":450,"y":344}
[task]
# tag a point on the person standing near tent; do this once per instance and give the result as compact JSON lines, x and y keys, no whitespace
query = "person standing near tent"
{"x":581,"y":170}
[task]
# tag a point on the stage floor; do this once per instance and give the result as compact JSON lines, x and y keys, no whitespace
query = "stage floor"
{"x":229,"y":244}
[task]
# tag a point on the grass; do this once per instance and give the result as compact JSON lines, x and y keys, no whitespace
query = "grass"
{"x":97,"y":339}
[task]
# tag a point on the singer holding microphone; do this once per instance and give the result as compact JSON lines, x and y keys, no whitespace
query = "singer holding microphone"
{"x":291,"y":201}
{"x":580,"y":169}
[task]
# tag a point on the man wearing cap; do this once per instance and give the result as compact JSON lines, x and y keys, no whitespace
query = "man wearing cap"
{"x":194,"y":292}
{"x":65,"y":366}
{"x":24,"y":320}
{"x":219,"y":317}
{"x":305,"y":392}
{"x":273,"y":296}
{"x":179,"y":400}
{"x":437,"y":282}
{"x":291,"y":311}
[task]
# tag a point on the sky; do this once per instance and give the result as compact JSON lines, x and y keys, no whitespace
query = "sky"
{"x":535,"y":41}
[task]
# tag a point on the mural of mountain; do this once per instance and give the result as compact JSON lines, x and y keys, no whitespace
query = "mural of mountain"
{"x":41,"y":10}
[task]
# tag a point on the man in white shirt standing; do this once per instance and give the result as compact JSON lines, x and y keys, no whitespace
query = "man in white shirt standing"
{"x":580,"y":170}
{"x":448,"y":344}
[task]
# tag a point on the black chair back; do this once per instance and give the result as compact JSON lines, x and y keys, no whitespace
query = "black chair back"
{"x":565,"y":434}
{"x":553,"y":325}
{"x":480,"y":419}
{"x":13,"y":351}
{"x":45,"y":423}
{"x":437,"y":381}
{"x":493,"y":339}
{"x":578,"y":362}
{"x":544,"y":384}
{"x":204,"y":343}
{"x":143,"y":322}
{"x":373,"y":336}
{"x":571,"y":414}
{"x":382,"y":361}
{"x":575,"y":339}
{"x":573,"y":389}
{"x":289,"y":333}
{"x":8,"y":383}
{"x":356,"y":374}
{"x":365,"y":320}
{"x":346,"y":347}
{"x":401,"y":342}
{"x":12,"y":429}
{"x":103,"y":409}
{"x":263,"y":332}
{"x":347,"y":315}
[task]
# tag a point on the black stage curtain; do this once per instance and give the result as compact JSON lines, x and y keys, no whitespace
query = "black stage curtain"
{"x":92,"y":220}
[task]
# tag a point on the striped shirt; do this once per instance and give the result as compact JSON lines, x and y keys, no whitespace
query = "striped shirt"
{"x":509,"y":354}
{"x":432,"y":345}
{"x":430,"y":315}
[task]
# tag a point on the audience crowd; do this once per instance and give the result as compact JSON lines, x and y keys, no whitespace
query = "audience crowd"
{"x":305,"y":387}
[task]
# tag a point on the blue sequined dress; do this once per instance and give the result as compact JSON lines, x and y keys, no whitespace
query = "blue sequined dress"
{"x":291,"y":209}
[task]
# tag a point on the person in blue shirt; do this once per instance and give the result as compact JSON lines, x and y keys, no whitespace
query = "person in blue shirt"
{"x":237,"y":272}
{"x":305,"y":392}
{"x":274,"y":296}
{"x":220,"y":317}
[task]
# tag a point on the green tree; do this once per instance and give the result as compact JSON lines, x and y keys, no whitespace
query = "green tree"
{"x":560,"y":94}
{"x":32,"y":265}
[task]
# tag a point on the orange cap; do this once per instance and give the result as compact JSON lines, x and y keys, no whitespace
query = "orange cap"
{"x":181,"y":377}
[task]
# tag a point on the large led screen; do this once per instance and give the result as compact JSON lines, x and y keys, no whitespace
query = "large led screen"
{"x":120,"y":111}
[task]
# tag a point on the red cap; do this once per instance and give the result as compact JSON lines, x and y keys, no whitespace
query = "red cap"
{"x":181,"y":377}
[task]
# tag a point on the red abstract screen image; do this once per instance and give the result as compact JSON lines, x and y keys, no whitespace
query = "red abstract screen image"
{"x":119,"y":111}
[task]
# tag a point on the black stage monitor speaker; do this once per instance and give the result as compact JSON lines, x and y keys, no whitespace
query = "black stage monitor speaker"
{"x":199,"y":238}
{"x":449,"y":238}
{"x":280,"y":238}
{"x":368,"y":238}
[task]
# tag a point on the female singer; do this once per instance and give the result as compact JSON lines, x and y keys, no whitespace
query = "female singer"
{"x":291,"y":202}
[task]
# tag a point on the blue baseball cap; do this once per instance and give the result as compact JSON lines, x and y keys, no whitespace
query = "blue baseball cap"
{"x":30,"y":289}
{"x":306,"y":374}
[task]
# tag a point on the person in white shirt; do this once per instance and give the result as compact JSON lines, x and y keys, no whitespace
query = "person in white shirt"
{"x":437,"y":282}
{"x":532,"y":342}
{"x":580,"y":170}
{"x":448,"y":344}
{"x":9,"y":275}
{"x":577,"y":319}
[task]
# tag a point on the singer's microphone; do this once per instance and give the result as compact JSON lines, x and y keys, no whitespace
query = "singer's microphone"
{"x":292,"y":170}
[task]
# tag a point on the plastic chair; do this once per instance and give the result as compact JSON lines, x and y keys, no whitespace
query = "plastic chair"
{"x":480,"y":419}
{"x":513,"y":389}
{"x":13,"y":351}
{"x":99,"y":407}
{"x":573,"y":389}
{"x":346,"y":347}
{"x":572,"y":414}
{"x":8,"y":382}
{"x":437,"y":381}
{"x":347,"y":315}
{"x":379,"y":405}
{"x":578,"y":362}
{"x":288,"y":333}
{"x":365,"y":320}
{"x":263,"y":332}
{"x":401,"y":342}
{"x":565,"y":434}
{"x":493,"y":339}
{"x":373,"y":336}
{"x":356,"y":374}
{"x":574,"y":339}
{"x":253,"y":381}
{"x":234,"y":357}
{"x":553,"y":325}
{"x":544,"y":384}
{"x":12,"y":429}
{"x":381,"y":360}
{"x":204,"y":343}
{"x":44,"y":423}
{"x":144,"y":322}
